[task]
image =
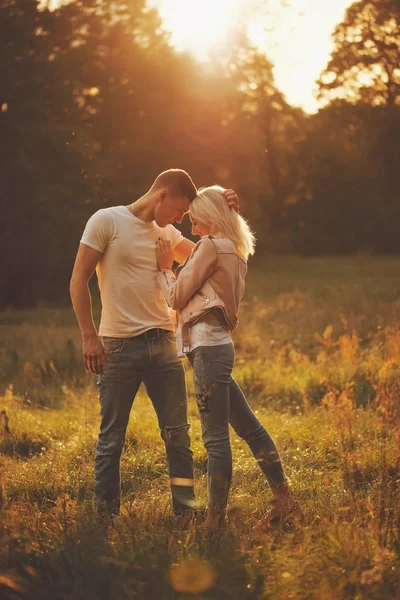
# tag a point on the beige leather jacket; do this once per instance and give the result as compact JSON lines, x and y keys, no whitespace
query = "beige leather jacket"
{"x":211,"y":277}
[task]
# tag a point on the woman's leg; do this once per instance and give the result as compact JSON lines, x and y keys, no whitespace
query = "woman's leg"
{"x":212,"y":367}
{"x":249,"y":428}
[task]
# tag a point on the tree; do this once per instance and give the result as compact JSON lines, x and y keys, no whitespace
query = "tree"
{"x":266,"y":128}
{"x":40,"y":171}
{"x":60,"y":153}
{"x":348,"y":166}
{"x":365,"y":61}
{"x":94,"y":103}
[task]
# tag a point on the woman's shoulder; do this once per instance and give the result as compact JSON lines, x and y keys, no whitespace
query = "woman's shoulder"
{"x":216,"y":246}
{"x":203,"y":250}
{"x":224,"y":245}
{"x":206,"y":243}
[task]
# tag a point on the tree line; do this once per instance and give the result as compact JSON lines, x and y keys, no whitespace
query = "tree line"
{"x":94,"y":103}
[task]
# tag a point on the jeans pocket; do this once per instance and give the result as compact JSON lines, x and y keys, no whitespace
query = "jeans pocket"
{"x":113,"y":345}
{"x":170,"y":337}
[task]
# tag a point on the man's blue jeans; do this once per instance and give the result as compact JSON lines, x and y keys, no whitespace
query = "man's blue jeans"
{"x":221,"y":402}
{"x":150,"y":358}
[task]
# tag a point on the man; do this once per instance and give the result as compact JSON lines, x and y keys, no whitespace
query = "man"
{"x":136,"y":339}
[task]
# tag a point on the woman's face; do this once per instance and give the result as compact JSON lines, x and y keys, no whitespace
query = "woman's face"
{"x":199,"y":228}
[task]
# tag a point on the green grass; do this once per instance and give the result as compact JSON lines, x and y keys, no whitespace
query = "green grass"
{"x":318,"y":351}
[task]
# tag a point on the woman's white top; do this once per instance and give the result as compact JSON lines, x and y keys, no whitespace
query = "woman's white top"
{"x":209,"y":330}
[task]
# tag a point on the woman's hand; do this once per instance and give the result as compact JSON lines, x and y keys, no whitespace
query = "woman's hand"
{"x":232,"y":199}
{"x":165,"y":258}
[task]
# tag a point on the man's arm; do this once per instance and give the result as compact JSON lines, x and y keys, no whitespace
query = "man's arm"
{"x":185,"y":246}
{"x":232,"y":199}
{"x":85,"y":264}
{"x":182,"y":250}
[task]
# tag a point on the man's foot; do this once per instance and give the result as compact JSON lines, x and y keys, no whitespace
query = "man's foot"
{"x":104,"y":510}
{"x":186,"y":518}
{"x":215,"y":520}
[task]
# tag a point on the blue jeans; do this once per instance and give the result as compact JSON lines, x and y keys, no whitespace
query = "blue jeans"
{"x":151,"y":358}
{"x":221,"y":402}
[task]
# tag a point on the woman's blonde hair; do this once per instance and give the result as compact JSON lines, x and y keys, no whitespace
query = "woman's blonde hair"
{"x":211,"y":208}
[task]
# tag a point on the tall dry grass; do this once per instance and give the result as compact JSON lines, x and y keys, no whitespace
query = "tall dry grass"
{"x":318,"y":358}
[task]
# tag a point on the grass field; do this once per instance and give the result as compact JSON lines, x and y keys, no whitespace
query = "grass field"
{"x":318,"y":355}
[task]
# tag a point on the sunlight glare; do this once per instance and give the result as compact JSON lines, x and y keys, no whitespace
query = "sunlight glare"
{"x":295,"y":34}
{"x":299,"y":45}
{"x":198,"y":26}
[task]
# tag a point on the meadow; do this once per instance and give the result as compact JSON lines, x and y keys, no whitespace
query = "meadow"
{"x":318,"y":356}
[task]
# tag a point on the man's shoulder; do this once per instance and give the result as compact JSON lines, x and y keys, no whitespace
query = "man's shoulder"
{"x":109,"y":211}
{"x":107,"y":217}
{"x":99,"y":229}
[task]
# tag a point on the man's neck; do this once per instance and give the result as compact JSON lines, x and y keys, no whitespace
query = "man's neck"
{"x":143,"y":208}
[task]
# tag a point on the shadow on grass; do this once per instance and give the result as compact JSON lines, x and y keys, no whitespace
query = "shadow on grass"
{"x":125,"y":559}
{"x":24,"y":447}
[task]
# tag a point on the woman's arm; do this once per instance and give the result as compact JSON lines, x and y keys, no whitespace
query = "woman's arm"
{"x":191,"y":277}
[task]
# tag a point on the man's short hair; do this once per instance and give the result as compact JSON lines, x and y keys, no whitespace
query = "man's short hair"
{"x":178,"y":182}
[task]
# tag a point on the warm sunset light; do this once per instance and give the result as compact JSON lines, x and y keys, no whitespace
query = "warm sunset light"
{"x":247,"y":445}
{"x":197,"y":27}
{"x":296,"y":35}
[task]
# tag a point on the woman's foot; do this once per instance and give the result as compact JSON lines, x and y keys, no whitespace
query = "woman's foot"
{"x":285,"y":506}
{"x":215,"y":520}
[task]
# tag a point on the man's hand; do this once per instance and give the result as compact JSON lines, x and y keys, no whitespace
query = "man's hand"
{"x":232,"y":199}
{"x":93,"y":354}
{"x":165,"y":257}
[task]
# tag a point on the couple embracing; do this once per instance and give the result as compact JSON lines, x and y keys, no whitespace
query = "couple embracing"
{"x":132,"y":248}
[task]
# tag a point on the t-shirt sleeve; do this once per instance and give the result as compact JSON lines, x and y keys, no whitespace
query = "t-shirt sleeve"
{"x":99,"y":230}
{"x":173,"y":235}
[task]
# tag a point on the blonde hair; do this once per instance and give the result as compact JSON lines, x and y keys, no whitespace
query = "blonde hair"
{"x":210,"y":208}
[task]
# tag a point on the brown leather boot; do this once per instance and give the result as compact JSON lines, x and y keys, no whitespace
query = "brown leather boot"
{"x":285,"y":506}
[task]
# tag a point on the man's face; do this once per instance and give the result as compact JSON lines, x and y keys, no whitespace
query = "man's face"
{"x":170,"y":209}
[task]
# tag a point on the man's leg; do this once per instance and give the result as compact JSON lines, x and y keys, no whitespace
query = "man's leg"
{"x":118,"y":385}
{"x":166,"y":387}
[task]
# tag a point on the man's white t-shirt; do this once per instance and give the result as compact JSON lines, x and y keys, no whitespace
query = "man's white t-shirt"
{"x":131,"y":298}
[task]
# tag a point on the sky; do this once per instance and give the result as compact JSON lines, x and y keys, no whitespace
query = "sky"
{"x":297,"y":38}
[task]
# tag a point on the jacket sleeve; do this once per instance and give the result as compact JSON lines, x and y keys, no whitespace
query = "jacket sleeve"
{"x":198,"y":268}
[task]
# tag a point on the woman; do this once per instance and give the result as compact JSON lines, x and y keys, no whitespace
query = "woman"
{"x":206,"y":294}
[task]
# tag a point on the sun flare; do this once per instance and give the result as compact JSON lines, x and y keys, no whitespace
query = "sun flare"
{"x":198,"y":26}
{"x":295,"y":34}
